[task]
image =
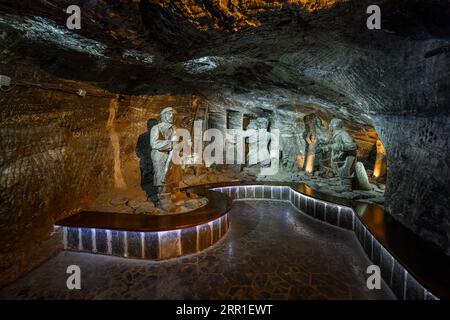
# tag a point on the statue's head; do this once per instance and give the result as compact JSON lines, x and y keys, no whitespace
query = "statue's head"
{"x":335,"y":124}
{"x":263,"y":123}
{"x":168,"y":115}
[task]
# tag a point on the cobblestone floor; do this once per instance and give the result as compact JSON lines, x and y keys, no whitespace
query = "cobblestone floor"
{"x":272,"y":251}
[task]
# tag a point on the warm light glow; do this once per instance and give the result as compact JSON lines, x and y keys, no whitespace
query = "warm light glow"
{"x":380,"y":168}
{"x":310,"y":163}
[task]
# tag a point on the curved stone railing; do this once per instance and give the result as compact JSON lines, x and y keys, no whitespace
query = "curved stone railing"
{"x":412,"y":268}
{"x":148,"y":237}
{"x":368,"y":223}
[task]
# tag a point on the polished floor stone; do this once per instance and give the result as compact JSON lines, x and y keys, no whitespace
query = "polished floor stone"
{"x":272,"y":251}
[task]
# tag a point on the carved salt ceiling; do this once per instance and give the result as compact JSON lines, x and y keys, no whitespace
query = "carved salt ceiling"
{"x":290,"y":56}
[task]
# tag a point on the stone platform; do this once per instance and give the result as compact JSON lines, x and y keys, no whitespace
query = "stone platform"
{"x":148,"y":237}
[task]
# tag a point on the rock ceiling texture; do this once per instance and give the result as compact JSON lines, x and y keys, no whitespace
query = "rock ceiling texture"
{"x":292,"y":57}
{"x":317,"y":53}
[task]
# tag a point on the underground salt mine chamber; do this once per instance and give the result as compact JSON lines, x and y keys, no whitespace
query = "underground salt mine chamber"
{"x":266,"y":150}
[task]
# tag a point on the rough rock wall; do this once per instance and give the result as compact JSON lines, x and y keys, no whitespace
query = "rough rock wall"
{"x":54,"y":156}
{"x":234,"y":15}
{"x":417,"y":192}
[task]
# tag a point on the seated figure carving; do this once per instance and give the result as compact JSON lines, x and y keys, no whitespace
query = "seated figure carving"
{"x":343,"y":150}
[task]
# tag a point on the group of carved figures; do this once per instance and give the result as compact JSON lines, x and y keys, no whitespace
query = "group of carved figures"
{"x":331,"y":152}
{"x":334,"y":152}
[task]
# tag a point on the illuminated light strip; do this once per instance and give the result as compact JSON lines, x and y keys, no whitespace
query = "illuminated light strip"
{"x":339,"y":216}
{"x":142,"y":245}
{"x":109,"y":241}
{"x":94,"y":240}
{"x":125,"y":244}
{"x":122,"y":239}
{"x":159,"y":246}
{"x":211,"y":228}
{"x":405,"y":277}
{"x":353,"y":221}
{"x":198,"y":239}
{"x":180,"y":249}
